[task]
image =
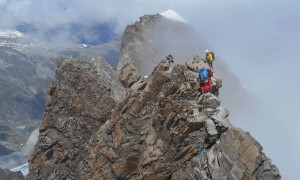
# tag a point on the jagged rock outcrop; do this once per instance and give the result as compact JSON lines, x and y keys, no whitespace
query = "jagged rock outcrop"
{"x":9,"y":175}
{"x":129,"y":75}
{"x":164,"y":131}
{"x":146,"y":42}
{"x":108,"y":77}
{"x":26,"y":69}
{"x":79,"y":101}
{"x":161,"y":129}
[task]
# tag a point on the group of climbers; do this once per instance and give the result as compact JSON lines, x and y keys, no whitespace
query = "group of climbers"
{"x":209,"y":58}
{"x":204,"y":74}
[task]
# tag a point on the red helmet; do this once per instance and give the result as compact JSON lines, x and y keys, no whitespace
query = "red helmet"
{"x":169,"y":56}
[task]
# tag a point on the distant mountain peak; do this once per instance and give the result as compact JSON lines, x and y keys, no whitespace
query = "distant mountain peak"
{"x":10,"y":34}
{"x":171,"y":14}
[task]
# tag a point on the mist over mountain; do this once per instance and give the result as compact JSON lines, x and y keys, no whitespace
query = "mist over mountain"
{"x":119,"y":124}
{"x":77,"y":34}
{"x":165,"y":37}
{"x":264,"y":42}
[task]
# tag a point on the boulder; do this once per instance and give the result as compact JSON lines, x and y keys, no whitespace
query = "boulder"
{"x":129,"y":75}
{"x":211,"y":130}
{"x":208,"y":101}
{"x":196,"y":63}
{"x":220,"y":113}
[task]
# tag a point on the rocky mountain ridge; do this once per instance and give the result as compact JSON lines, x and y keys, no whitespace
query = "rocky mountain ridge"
{"x":162,"y":129}
{"x":147,"y":41}
{"x":106,"y":124}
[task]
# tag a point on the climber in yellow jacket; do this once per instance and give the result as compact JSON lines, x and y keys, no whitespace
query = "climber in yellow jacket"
{"x":209,"y":57}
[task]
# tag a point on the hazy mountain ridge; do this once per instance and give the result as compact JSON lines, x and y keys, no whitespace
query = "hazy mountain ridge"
{"x":161,"y":128}
{"x":146,"y":42}
{"x":154,"y":37}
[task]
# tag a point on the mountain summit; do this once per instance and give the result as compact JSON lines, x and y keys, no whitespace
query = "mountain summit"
{"x":105,"y":124}
{"x":170,"y":14}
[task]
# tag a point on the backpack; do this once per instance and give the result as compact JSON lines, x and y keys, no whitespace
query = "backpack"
{"x":203,"y":74}
{"x":213,"y":55}
{"x":210,"y":72}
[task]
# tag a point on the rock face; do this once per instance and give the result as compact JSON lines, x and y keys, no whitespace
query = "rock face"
{"x":129,"y":75}
{"x":161,"y":129}
{"x":7,"y":174}
{"x":79,"y":101}
{"x":146,"y":42}
{"x":26,"y":70}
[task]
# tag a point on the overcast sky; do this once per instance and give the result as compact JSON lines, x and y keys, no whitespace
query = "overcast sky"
{"x":258,"y":39}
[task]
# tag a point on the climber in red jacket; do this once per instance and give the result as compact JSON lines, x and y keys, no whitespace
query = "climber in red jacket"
{"x":206,"y":85}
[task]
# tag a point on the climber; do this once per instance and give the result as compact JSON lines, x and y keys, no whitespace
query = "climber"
{"x":209,"y":57}
{"x":204,"y":78}
{"x":170,"y":58}
{"x":203,"y":74}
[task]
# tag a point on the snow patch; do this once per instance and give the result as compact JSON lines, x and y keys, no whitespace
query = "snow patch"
{"x":23,"y":168}
{"x":170,"y":14}
{"x":10,"y":34}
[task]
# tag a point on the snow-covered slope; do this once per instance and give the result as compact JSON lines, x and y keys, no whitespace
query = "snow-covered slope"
{"x":170,"y":14}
